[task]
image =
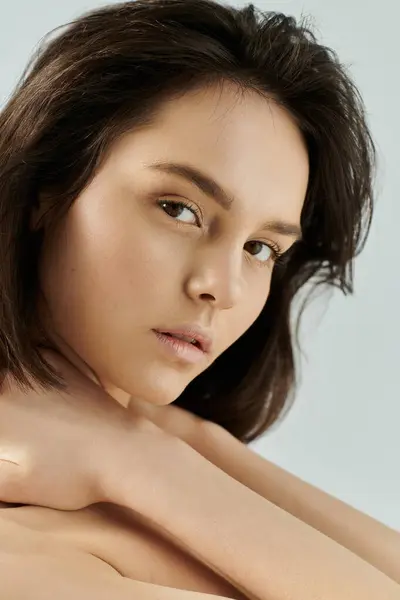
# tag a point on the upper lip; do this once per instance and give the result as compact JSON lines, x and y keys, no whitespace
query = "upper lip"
{"x":203,"y":339}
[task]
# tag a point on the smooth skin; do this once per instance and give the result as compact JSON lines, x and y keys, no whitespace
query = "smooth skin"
{"x":33,"y":568}
{"x":125,"y":260}
{"x":128,"y":259}
{"x":262,"y":551}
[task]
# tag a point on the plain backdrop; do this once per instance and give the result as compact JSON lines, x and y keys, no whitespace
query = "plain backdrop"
{"x":342,"y":433}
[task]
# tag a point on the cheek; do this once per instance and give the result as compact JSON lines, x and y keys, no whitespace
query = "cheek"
{"x":107,"y":266}
{"x":138,"y":264}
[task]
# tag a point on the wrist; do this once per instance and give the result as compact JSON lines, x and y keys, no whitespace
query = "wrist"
{"x":131,"y":470}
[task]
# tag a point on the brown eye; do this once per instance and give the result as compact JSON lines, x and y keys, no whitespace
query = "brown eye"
{"x":261,"y":251}
{"x":180,"y":211}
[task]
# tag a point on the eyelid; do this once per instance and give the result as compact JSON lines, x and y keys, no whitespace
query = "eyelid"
{"x":198,"y":213}
{"x":276,"y":249}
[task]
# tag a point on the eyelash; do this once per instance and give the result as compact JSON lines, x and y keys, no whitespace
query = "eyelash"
{"x":277,"y":253}
{"x":192,"y":207}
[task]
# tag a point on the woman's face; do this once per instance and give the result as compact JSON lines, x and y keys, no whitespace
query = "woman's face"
{"x":147,"y":248}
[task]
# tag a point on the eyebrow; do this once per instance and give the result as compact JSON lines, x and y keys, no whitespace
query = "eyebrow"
{"x":214,"y":190}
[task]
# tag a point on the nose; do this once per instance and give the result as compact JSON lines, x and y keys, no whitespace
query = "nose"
{"x":216,"y":277}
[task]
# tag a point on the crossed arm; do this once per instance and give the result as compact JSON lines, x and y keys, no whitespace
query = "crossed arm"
{"x":229,"y":509}
{"x":264,"y":558}
{"x":369,"y":539}
{"x":34,"y":568}
{"x":365,"y":537}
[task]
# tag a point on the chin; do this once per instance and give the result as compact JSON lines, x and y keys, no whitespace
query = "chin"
{"x":154,"y":382}
{"x":159,"y":391}
{"x":162,"y":396}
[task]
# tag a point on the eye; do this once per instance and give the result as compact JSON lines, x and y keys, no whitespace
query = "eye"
{"x":181,"y":211}
{"x":262,"y":251}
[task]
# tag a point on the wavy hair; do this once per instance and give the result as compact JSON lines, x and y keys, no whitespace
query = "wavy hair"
{"x":105,"y":73}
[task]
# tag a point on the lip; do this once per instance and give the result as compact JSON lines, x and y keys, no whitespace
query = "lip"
{"x":204,"y":341}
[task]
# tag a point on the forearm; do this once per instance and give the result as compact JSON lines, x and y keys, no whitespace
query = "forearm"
{"x":262,"y":550}
{"x":37,"y":567}
{"x":372,"y":541}
{"x":40,"y":577}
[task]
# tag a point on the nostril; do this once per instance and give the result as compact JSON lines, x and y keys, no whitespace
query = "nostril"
{"x":208,"y":297}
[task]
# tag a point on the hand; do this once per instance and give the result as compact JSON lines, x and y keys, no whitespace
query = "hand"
{"x":54,"y":445}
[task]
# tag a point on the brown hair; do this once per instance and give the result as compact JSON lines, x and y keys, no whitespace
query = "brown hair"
{"x":104,"y":74}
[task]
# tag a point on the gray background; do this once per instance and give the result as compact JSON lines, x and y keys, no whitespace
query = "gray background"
{"x":342,"y":432}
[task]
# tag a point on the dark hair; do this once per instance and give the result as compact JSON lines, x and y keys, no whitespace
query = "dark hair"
{"x":108,"y":72}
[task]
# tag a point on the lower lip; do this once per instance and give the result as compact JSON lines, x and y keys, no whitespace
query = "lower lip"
{"x":180,"y":349}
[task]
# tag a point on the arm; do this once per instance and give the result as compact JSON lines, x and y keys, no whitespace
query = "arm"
{"x":32,"y":577}
{"x":262,"y":550}
{"x":372,"y":541}
{"x":34,"y":569}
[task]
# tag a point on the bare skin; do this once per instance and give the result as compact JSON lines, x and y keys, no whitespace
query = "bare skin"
{"x":155,"y":479}
{"x":119,"y":539}
{"x":39,"y":563}
{"x":103,"y":536}
{"x":142,"y":249}
{"x":118,"y":245}
{"x":102,"y":268}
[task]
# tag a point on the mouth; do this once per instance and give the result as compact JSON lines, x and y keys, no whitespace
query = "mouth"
{"x":184,"y":338}
{"x":186,"y":343}
{"x":190,"y":335}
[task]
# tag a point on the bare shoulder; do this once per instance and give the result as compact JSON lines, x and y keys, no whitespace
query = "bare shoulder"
{"x":33,"y":566}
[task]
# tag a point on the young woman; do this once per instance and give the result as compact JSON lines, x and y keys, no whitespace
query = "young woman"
{"x":172,"y":172}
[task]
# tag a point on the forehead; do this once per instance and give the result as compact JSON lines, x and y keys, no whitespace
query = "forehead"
{"x":248,"y":143}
